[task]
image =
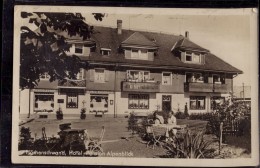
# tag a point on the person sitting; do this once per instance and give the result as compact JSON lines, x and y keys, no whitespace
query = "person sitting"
{"x":171,"y":118}
{"x":158,"y":119}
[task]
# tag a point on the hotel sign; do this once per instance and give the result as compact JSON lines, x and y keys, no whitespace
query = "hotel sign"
{"x":140,"y":87}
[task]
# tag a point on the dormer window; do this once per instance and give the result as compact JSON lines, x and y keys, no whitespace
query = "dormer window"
{"x":141,"y":54}
{"x":78,"y":48}
{"x":193,"y":57}
{"x":105,"y":51}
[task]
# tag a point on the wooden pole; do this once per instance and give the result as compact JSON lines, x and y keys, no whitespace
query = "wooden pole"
{"x":220,"y":136}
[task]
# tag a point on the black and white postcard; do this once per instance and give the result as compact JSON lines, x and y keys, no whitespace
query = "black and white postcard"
{"x":135,"y":86}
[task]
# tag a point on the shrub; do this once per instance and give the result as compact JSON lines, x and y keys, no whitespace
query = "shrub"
{"x":180,"y":115}
{"x":83,"y":113}
{"x":200,"y":116}
{"x":59,"y":114}
{"x":132,"y":123}
{"x":25,"y":139}
{"x":190,"y":145}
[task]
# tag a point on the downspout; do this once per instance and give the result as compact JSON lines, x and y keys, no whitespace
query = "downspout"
{"x":115,"y":110}
{"x":29,"y":104}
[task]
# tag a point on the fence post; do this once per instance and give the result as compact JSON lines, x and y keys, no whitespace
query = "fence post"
{"x":220,"y":135}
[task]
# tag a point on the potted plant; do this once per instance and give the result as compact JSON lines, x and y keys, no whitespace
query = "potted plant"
{"x":59,"y":114}
{"x":83,"y":113}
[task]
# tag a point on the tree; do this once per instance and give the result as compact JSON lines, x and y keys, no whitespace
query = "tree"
{"x":43,"y":51}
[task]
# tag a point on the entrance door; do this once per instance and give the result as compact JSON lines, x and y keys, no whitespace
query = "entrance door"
{"x":166,"y":103}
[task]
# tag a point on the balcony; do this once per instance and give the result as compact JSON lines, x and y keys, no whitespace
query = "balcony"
{"x":205,"y":87}
{"x":72,"y":84}
{"x":147,"y":86}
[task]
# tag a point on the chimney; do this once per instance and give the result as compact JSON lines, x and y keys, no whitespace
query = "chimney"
{"x":187,"y":35}
{"x":119,"y":26}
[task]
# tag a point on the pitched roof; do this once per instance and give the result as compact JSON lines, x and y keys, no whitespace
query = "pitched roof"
{"x":105,"y":36}
{"x":186,"y":44}
{"x":139,"y":39}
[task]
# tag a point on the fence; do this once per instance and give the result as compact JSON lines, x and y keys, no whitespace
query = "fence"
{"x":232,"y":127}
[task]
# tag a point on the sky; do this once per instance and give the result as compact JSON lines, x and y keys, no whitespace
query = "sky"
{"x":228,"y":37}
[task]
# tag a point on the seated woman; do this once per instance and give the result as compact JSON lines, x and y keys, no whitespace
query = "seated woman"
{"x":171,"y":118}
{"x":158,"y":119}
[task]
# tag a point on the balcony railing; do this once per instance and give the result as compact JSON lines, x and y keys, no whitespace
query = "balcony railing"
{"x":147,"y":86}
{"x":205,"y":87}
{"x":72,"y":84}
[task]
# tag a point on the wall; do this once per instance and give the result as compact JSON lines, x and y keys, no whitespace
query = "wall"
{"x":24,"y":101}
{"x":108,"y":85}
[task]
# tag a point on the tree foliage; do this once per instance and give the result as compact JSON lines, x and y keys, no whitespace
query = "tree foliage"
{"x":43,"y":51}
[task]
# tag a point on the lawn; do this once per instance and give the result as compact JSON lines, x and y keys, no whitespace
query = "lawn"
{"x":117,"y":137}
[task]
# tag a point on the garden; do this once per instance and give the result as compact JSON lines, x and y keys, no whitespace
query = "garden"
{"x":225,"y":133}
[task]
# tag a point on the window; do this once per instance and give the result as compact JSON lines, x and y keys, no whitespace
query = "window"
{"x":195,"y":77}
{"x":197,"y":102}
{"x":166,"y":78}
{"x":105,"y":51}
{"x":78,"y":48}
{"x":139,"y":54}
{"x":99,"y":76}
{"x":80,"y":75}
{"x":188,"y":56}
{"x":138,"y":101}
{"x":99,"y":103}
{"x":72,"y":100}
{"x":138,"y":76}
{"x":218,"y":79}
{"x":192,"y":57}
{"x":44,"y":101}
{"x":45,"y":76}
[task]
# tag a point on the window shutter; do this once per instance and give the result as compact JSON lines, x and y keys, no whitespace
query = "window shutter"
{"x":183,"y":56}
{"x":106,"y":75}
{"x":202,"y":59}
{"x":91,"y":75}
{"x":150,"y":56}
{"x":127,"y":54}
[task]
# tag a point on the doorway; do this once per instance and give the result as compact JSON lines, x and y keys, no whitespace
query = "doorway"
{"x":166,"y":103}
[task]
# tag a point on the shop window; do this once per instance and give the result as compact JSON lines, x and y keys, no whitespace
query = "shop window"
{"x":99,"y":103}
{"x":44,"y":102}
{"x":138,"y":101}
{"x":197,"y":102}
{"x":72,"y":100}
{"x":78,"y":48}
{"x":99,"y":76}
{"x":166,"y":78}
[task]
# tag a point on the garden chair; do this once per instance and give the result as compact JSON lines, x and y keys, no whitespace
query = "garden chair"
{"x":95,"y":142}
{"x":155,"y":135}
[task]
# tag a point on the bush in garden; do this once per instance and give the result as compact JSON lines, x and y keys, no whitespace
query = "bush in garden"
{"x":180,"y":115}
{"x":132,"y":123}
{"x":186,"y":113}
{"x":201,"y":116}
{"x":83,"y":113}
{"x":59,"y":114}
{"x":190,"y":145}
{"x":25,"y":139}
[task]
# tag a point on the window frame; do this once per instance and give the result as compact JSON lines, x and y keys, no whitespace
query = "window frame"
{"x":108,"y":50}
{"x":192,"y":55}
{"x":139,"y":98}
{"x":139,"y":53}
{"x":82,"y":48}
{"x":72,"y":95}
{"x":97,"y":81}
{"x":139,"y":72}
{"x":170,"y":77}
{"x":196,"y":99}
